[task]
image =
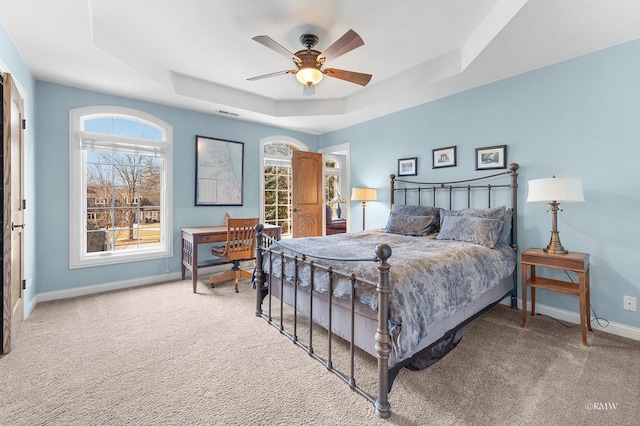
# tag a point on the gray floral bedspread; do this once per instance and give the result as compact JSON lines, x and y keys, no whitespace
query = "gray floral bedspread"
{"x":429,"y":278}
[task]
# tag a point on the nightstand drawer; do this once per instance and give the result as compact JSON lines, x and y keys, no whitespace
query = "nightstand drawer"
{"x":572,"y":261}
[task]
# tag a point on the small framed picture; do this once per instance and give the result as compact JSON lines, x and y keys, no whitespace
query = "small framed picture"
{"x":444,"y":157}
{"x":408,"y":166}
{"x":491,"y":157}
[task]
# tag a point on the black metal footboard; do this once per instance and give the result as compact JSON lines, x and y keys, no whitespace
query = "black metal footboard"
{"x":382,"y":336}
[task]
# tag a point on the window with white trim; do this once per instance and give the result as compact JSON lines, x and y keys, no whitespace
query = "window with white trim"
{"x":120,"y":186}
{"x":276,"y":185}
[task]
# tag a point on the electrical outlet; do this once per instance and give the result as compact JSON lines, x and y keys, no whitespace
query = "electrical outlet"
{"x":629,"y":303}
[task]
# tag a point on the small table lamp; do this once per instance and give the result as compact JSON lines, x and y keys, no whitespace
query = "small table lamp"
{"x":364,"y":195}
{"x":555,"y":191}
{"x":337,"y":200}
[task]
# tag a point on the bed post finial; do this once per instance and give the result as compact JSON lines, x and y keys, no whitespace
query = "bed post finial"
{"x":383,"y":339}
{"x":383,"y":252}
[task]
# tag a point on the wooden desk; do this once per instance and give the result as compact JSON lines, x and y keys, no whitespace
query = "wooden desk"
{"x":193,"y":237}
{"x":576,"y":262}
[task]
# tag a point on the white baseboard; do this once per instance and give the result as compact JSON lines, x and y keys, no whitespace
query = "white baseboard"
{"x":119,"y":285}
{"x":574,"y":317}
{"x":100,"y":288}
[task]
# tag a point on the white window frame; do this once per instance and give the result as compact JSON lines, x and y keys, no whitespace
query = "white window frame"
{"x":78,"y":256}
{"x":271,"y":139}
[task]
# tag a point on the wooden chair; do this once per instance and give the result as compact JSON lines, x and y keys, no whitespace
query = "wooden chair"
{"x":240,"y":245}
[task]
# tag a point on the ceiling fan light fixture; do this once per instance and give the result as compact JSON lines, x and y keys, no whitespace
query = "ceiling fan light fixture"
{"x":309,"y":76}
{"x":309,"y":62}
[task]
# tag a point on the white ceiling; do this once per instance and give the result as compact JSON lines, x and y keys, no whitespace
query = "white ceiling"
{"x":198,"y":54}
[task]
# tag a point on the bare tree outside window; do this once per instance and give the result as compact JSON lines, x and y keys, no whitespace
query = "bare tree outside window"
{"x":123,"y":195}
{"x":278,"y":185}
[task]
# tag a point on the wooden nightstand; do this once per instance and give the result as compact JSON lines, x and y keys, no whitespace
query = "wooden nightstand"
{"x":573,"y":261}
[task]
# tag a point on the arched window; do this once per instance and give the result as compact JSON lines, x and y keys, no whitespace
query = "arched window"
{"x":120,"y":194}
{"x":276,"y":188}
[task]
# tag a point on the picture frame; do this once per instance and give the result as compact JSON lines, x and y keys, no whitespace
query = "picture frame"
{"x":491,"y":157}
{"x":444,"y":157}
{"x":408,"y":166}
{"x":219,"y":172}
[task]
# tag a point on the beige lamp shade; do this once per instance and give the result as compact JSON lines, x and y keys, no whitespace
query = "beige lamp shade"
{"x":364,"y":194}
{"x":560,"y":190}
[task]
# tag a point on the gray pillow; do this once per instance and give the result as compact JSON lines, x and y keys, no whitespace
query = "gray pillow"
{"x":492,"y":213}
{"x":505,"y":234}
{"x":411,"y":225}
{"x":502,"y":213}
{"x":415,"y":210}
{"x":481,"y":231}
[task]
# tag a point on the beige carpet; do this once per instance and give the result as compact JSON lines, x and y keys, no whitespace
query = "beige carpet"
{"x":161,"y":355}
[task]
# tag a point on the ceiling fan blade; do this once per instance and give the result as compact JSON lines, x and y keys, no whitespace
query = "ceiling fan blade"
{"x":309,"y":90}
{"x":273,"y":74}
{"x":273,"y":45}
{"x":350,"y":76}
{"x":349,"y":41}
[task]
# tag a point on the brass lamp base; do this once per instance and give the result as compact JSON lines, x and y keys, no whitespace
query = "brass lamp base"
{"x":555,"y":246}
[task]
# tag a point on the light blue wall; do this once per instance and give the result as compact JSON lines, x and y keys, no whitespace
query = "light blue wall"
{"x":578,"y":118}
{"x":52,"y":179}
{"x":12,"y":62}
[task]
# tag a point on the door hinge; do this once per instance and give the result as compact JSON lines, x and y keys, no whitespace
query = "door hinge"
{"x":24,"y":204}
{"x":24,"y":284}
{"x":24,"y":124}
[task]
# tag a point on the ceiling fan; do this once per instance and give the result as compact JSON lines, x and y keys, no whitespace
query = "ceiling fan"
{"x":309,"y":62}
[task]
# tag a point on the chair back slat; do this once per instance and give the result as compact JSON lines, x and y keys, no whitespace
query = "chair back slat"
{"x":241,"y":238}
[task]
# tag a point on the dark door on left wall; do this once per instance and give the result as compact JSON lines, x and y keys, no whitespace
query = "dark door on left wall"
{"x":13,"y":225}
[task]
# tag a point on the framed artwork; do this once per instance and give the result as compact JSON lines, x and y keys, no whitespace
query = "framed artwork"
{"x":491,"y":157}
{"x":444,"y":157}
{"x":408,"y":166}
{"x":219,"y":172}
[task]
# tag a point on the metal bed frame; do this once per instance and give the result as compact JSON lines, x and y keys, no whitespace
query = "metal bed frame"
{"x":386,"y":375}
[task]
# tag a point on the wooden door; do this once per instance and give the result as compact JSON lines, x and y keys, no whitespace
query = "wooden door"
{"x":308,"y":194}
{"x":13,"y":214}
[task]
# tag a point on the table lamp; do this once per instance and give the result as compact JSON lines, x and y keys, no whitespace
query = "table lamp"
{"x":337,"y":200}
{"x":554,"y":191}
{"x":363,"y":195}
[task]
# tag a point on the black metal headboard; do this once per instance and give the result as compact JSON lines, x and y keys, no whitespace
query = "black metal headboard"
{"x":419,"y":191}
